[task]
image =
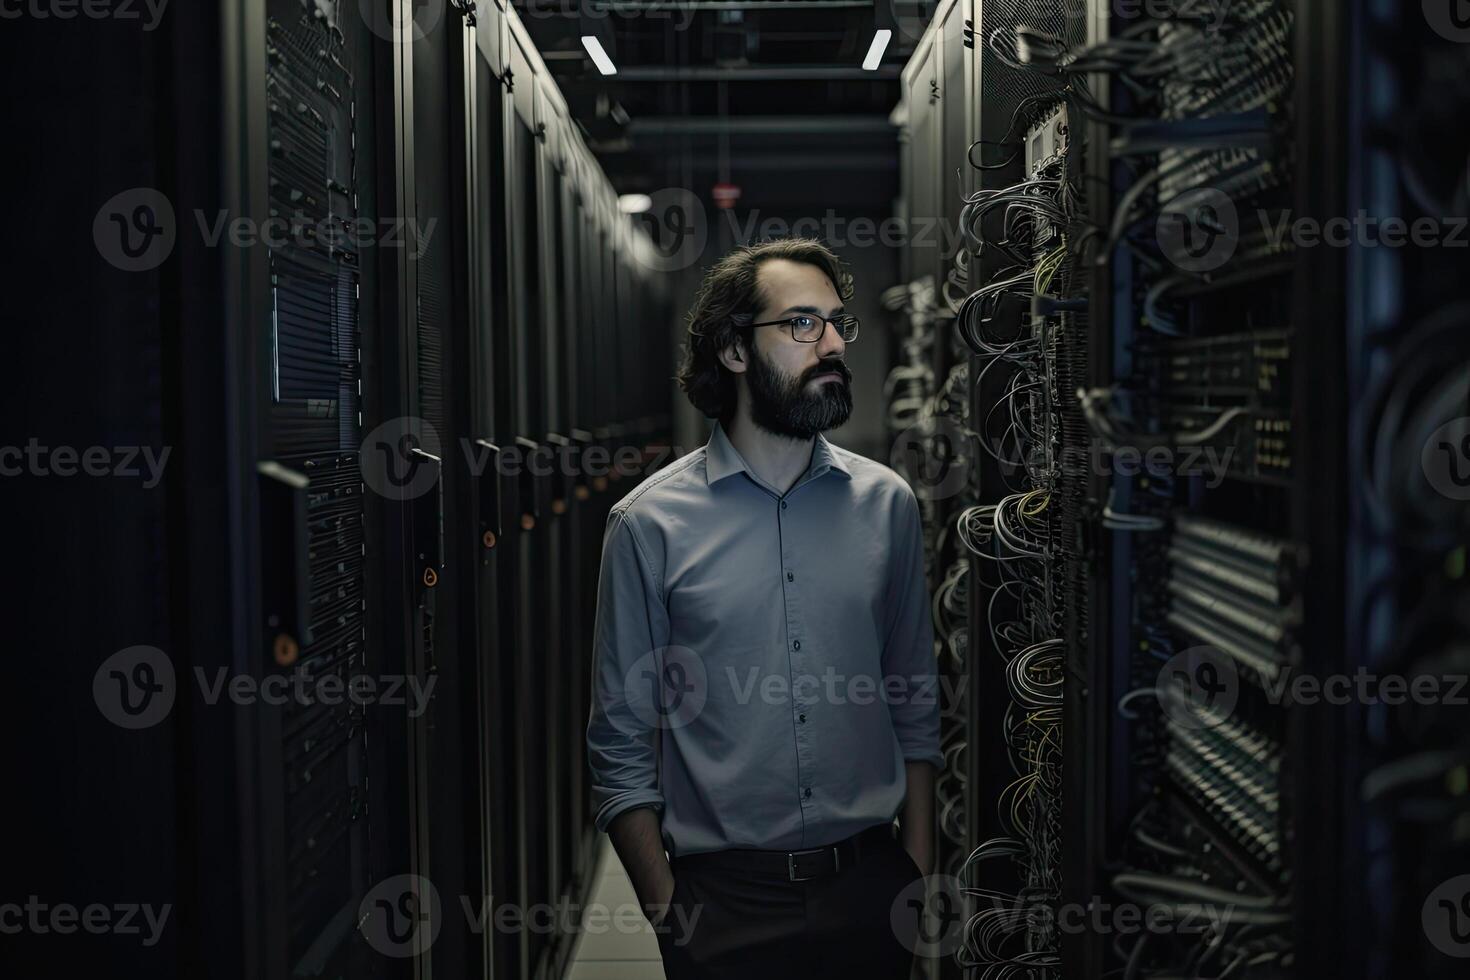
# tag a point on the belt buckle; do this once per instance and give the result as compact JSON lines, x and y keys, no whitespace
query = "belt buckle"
{"x":791,"y":862}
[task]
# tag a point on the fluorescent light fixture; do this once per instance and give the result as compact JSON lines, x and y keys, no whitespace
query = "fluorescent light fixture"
{"x":599,"y":56}
{"x":634,"y":203}
{"x":875,"y":50}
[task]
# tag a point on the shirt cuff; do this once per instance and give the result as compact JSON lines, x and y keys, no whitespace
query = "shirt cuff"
{"x":917,"y":754}
{"x":620,"y":803}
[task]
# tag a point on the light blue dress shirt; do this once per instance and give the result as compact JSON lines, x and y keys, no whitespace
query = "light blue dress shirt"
{"x":764,"y":662}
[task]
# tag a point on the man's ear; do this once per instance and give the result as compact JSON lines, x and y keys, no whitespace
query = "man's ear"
{"x":732,"y":354}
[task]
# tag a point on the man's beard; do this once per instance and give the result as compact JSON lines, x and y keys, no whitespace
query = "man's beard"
{"x":782,"y":405}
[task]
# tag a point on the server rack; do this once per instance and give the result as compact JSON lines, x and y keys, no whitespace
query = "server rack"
{"x":965,"y":126}
{"x":1399,"y":528}
{"x":1304,"y":555}
{"x":1189,"y":802}
{"x":280,"y":375}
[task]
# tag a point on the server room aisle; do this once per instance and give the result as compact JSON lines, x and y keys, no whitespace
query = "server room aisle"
{"x":615,"y":953}
{"x":368,"y":575}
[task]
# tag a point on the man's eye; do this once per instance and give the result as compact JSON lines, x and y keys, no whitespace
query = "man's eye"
{"x":802,"y":322}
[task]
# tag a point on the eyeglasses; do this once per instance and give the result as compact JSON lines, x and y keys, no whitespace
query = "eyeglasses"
{"x":808,"y":329}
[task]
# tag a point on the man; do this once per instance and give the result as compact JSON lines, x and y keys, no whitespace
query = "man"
{"x":765,"y":695}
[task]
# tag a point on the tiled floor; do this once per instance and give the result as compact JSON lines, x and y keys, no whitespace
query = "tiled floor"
{"x":616,"y":954}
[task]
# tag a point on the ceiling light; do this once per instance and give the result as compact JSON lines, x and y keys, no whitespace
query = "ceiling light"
{"x":875,"y":51}
{"x":599,"y":56}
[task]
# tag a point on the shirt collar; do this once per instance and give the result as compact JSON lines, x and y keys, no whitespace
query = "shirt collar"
{"x":722,"y":459}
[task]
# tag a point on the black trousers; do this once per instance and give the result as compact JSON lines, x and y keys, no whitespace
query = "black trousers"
{"x":726,"y":922}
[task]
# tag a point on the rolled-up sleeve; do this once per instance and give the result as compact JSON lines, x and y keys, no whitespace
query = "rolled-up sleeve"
{"x":631,"y":624}
{"x":908,"y":647}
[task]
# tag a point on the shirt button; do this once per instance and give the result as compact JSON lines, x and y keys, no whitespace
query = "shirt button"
{"x":796,"y":645}
{"x":783,"y":505}
{"x":808,"y":793}
{"x":801,"y":718}
{"x":790,"y":577}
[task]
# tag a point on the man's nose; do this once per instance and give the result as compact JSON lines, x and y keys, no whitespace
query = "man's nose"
{"x":831,"y":341}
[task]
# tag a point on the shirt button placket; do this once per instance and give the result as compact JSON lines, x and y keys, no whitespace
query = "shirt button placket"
{"x":803,"y":735}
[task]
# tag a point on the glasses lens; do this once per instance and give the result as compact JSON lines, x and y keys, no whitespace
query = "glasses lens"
{"x":807,"y":328}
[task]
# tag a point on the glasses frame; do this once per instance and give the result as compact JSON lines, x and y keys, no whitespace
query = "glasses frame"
{"x":789,"y":323}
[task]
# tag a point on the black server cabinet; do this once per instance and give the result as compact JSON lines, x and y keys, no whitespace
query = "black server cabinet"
{"x":571,"y":682}
{"x":492,"y":395}
{"x":548,"y":432}
{"x":103,"y":564}
{"x":523,"y":555}
{"x":432,"y":376}
{"x":441,"y":292}
{"x":309,"y":82}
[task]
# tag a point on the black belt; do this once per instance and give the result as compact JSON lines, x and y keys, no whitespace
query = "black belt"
{"x":814,"y":862}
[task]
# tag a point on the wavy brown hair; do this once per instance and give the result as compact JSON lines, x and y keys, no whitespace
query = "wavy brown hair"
{"x":728,"y":300}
